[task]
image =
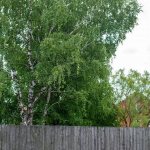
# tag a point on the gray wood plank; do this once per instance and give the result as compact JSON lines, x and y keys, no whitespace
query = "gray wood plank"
{"x":102,"y":138}
{"x":49,"y":137}
{"x":12,"y":140}
{"x":63,"y":136}
{"x":77,"y":138}
{"x":0,"y":137}
{"x":4,"y":138}
{"x":107,"y":139}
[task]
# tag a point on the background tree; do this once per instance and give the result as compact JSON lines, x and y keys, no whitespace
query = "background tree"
{"x":56,"y":56}
{"x":132,"y":92}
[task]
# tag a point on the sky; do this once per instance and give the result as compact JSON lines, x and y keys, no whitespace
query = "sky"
{"x":134,"y":52}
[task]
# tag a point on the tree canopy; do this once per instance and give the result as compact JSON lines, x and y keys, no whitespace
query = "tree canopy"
{"x":133,"y":89}
{"x":55,"y":59}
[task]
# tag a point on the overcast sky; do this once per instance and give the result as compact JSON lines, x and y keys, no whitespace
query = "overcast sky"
{"x":134,"y":53}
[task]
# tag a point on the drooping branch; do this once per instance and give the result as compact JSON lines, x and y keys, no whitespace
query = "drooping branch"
{"x":43,"y":89}
{"x":56,"y":103}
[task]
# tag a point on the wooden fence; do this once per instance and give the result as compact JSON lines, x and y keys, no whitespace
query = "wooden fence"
{"x":73,"y":138}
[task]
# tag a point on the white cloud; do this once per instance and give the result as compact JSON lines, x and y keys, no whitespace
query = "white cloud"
{"x":134,"y":53}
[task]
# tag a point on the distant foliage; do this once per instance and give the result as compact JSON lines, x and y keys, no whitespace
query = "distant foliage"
{"x":133,"y":90}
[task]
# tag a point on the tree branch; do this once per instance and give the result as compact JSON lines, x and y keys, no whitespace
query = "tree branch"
{"x":46,"y":105}
{"x":43,"y":89}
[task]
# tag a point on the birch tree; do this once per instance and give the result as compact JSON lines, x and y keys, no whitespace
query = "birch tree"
{"x":56,"y":50}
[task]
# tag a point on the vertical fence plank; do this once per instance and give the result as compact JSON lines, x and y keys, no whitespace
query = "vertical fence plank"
{"x":57,"y":138}
{"x":1,"y":137}
{"x":98,"y":138}
{"x":86,"y":137}
{"x":111,"y":139}
{"x":49,"y":137}
{"x":63,"y":135}
{"x":143,"y":137}
{"x":137,"y":139}
{"x":4,"y":138}
{"x":107,"y":139}
{"x":147,"y":138}
{"x":102,"y":138}
{"x":121,"y":139}
{"x":140,"y":138}
{"x":126,"y":138}
{"x":36,"y":137}
{"x":90,"y":139}
{"x":12,"y":139}
{"x":95,"y":138}
{"x":70,"y":137}
{"x":22,"y":137}
{"x":131,"y":135}
{"x":77,"y":138}
{"x":81,"y":140}
{"x":117,"y":138}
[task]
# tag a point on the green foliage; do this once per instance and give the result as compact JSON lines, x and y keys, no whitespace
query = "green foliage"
{"x":70,"y":44}
{"x":134,"y":88}
{"x":9,"y":112}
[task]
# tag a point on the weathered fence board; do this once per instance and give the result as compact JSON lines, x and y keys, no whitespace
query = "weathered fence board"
{"x":73,"y":138}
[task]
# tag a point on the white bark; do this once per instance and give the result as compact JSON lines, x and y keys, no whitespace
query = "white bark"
{"x":23,"y":108}
{"x":46,"y":105}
